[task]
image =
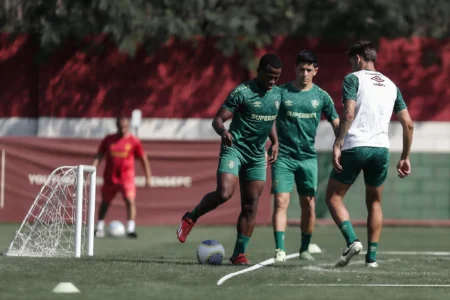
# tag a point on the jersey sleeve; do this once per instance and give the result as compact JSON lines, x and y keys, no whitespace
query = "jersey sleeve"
{"x":328,"y":107}
{"x":234,"y":100}
{"x":399,"y":102}
{"x":138,"y":149}
{"x":350,"y":87}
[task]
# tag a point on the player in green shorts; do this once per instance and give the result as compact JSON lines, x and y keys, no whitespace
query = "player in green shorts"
{"x":302,"y":104}
{"x":253,"y":107}
{"x":362,"y":144}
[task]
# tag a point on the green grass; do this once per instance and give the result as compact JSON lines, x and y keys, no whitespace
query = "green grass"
{"x":157,"y":266}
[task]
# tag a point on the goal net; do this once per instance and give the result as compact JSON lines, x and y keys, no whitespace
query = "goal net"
{"x":60,"y":222}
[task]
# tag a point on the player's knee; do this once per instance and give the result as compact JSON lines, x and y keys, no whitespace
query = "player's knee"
{"x":250,"y":210}
{"x":281,"y":201}
{"x":225,"y":195}
{"x":307,"y":203}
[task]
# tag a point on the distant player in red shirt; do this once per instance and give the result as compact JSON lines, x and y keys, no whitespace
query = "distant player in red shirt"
{"x":120,"y":150}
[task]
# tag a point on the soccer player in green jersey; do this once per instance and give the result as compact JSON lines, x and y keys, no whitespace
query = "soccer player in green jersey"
{"x":362,"y":143}
{"x":302,"y":104}
{"x":253,"y":107}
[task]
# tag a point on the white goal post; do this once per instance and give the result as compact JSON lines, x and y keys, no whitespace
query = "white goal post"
{"x":60,"y":222}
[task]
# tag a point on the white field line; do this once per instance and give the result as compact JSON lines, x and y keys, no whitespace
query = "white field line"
{"x":267,"y":262}
{"x":271,"y":261}
{"x":356,"y":285}
{"x":430,"y":253}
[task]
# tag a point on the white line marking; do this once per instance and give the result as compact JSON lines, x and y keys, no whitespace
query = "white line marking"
{"x":271,"y":261}
{"x":355,"y":285}
{"x":432,"y":253}
{"x":267,"y":262}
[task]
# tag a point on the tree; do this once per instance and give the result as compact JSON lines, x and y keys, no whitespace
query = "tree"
{"x":239,"y":26}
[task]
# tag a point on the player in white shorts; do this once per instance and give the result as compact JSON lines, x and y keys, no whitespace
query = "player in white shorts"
{"x":362,"y":143}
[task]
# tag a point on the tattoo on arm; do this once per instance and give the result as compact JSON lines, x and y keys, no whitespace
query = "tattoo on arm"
{"x":345,"y":122}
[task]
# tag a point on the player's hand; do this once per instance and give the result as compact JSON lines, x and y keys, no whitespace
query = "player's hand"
{"x":337,"y":158}
{"x":148,"y":182}
{"x":273,"y":153}
{"x":403,"y":168}
{"x":227,"y":138}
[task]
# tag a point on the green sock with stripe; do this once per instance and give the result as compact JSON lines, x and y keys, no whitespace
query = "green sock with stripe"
{"x":371,"y":255}
{"x":241,"y":244}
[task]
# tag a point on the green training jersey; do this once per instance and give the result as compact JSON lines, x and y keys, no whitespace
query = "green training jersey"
{"x":254,"y":112}
{"x":298,"y":119}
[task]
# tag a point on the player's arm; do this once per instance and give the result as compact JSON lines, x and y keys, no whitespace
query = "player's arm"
{"x":222,"y":115}
{"x":273,"y":137}
{"x":400,"y":109}
{"x":335,"y":126}
{"x":349,"y":91}
{"x":330,"y":113}
{"x":140,"y":153}
{"x":100,"y":153}
{"x":345,"y":122}
{"x":146,"y":165}
{"x":225,"y":113}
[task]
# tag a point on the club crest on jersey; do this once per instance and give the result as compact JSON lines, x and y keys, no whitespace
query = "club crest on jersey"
{"x":127,"y":146}
{"x":277,"y":104}
{"x":315,"y":103}
{"x":257,"y":104}
{"x":230,"y":164}
{"x":288,"y":102}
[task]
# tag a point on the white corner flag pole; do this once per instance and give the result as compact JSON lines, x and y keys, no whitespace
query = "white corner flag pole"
{"x":136,"y":120}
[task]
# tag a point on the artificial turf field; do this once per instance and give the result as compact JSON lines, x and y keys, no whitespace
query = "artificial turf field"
{"x":157,"y":266}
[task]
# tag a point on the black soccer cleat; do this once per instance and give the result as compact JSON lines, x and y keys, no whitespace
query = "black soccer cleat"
{"x":132,"y":235}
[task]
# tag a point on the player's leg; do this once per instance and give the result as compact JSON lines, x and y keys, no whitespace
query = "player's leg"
{"x":252,"y":181}
{"x":375,"y":173}
{"x":282,"y":182}
{"x":306,"y":182}
{"x":129,"y":197}
{"x":108,"y":192}
{"x":227,"y":180}
{"x":338,"y":185}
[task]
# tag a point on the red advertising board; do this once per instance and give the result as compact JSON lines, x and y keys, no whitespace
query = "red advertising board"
{"x":182,"y":173}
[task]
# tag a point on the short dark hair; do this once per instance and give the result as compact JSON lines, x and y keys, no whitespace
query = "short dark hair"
{"x":270,"y":59}
{"x":365,"y":49}
{"x":308,"y":57}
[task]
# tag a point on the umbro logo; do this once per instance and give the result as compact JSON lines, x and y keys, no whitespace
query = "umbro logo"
{"x":377,"y":78}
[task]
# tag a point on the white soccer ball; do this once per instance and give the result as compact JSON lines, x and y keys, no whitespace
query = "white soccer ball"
{"x":116,"y":229}
{"x":210,"y":252}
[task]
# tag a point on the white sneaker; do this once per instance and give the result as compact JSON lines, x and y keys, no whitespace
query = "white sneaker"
{"x":99,"y":234}
{"x":372,"y":264}
{"x":280,"y":256}
{"x":348,"y":253}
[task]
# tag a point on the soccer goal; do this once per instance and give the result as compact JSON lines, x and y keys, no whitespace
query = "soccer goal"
{"x":60,"y":222}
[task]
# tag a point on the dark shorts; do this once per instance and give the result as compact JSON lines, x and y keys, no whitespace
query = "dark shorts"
{"x":373,"y":161}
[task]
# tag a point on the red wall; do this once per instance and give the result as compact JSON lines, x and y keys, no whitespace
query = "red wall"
{"x":158,"y":205}
{"x":181,"y":81}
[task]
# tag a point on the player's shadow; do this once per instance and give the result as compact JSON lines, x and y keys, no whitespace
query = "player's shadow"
{"x":140,"y":260}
